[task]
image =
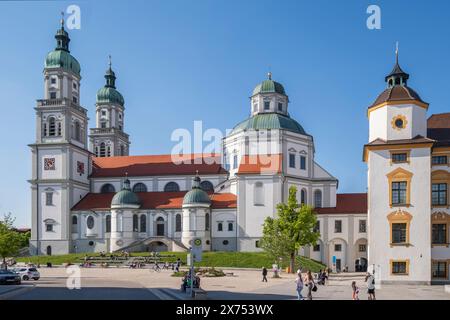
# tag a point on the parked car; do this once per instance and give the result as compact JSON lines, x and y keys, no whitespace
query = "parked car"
{"x":27,"y":273}
{"x":8,"y":276}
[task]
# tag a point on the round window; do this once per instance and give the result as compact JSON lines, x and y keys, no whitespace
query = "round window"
{"x":225,"y":242}
{"x":91,"y":243}
{"x":399,"y":123}
{"x":90,"y":222}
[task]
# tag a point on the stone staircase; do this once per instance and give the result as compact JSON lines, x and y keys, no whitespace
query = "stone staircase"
{"x":347,"y":276}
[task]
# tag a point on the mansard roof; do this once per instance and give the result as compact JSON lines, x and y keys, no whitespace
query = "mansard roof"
{"x":438,"y":128}
{"x":154,"y":200}
{"x":347,"y":203}
{"x":157,"y":165}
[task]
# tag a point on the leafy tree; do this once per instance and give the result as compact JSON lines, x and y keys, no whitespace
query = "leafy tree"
{"x":292,"y":229}
{"x":10,"y":240}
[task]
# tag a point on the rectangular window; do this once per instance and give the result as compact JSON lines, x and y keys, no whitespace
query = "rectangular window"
{"x":74,"y":99}
{"x":103,"y":125}
{"x":399,"y":157}
{"x":303,"y":162}
{"x":439,"y":269}
{"x":52,"y":95}
{"x":316,"y":248}
{"x":439,"y":233}
{"x":280,"y":106}
{"x":362,"y":248}
{"x":74,"y":85}
{"x":49,"y":227}
{"x":266,"y":105}
{"x":337,"y":226}
{"x":53,"y":80}
{"x":362,"y":226}
{"x":338,"y":247}
{"x":399,"y":193}
{"x":399,"y":233}
{"x":291,"y":160}
{"x":257,"y":244}
{"x":439,"y":160}
{"x":399,"y":267}
{"x":439,"y":194}
{"x":235,"y":162}
{"x":49,"y":198}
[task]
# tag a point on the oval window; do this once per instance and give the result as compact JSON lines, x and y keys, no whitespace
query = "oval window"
{"x":399,"y":123}
{"x":90,"y":222}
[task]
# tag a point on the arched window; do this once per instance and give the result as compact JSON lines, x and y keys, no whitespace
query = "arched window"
{"x":77,"y":131}
{"x":102,"y":152}
{"x":119,"y":222}
{"x":90,"y":222}
{"x":171,"y":187}
{"x":258,"y":194}
{"x":220,"y":226}
{"x":230,"y":226}
{"x":207,"y":186}
{"x":143,"y":222}
{"x":139,"y":187}
{"x":108,"y":187}
{"x":318,"y":199}
{"x":52,"y":126}
{"x":207,"y":222}
{"x":49,"y":250}
{"x":178,"y":223}
{"x":135,"y":223}
{"x":303,"y":196}
{"x":74,"y":220}
{"x":108,"y":223}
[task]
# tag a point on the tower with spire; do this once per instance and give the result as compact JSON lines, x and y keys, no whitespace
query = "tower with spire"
{"x":108,"y":138}
{"x":398,"y":157}
{"x":60,"y":157}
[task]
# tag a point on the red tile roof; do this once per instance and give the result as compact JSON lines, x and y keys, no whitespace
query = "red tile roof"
{"x":439,"y":129}
{"x":153,"y":200}
{"x":157,"y":165}
{"x":347,"y":203}
{"x":260,"y":164}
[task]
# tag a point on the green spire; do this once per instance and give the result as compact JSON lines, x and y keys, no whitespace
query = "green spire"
{"x":62,"y":37}
{"x":110,"y":76}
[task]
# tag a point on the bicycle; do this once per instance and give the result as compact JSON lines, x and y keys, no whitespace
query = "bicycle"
{"x":156,"y":268}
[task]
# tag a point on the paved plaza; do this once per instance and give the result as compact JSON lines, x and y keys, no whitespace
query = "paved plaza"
{"x":139,"y":284}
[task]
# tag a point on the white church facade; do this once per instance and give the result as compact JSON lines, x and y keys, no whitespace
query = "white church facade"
{"x":90,"y":195}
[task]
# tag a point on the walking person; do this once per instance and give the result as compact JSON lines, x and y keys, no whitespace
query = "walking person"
{"x":370,"y":279}
{"x":299,"y":283}
{"x":309,"y":280}
{"x":355,"y":291}
{"x":264,"y":274}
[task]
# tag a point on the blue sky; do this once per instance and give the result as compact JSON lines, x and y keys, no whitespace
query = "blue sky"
{"x":180,"y":61}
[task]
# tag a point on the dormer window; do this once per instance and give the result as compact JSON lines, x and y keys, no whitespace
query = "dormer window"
{"x":266,"y":105}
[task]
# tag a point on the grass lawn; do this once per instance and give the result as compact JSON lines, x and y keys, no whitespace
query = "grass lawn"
{"x":209,"y":259}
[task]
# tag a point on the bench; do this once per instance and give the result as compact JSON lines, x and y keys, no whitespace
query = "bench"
{"x":199,"y":294}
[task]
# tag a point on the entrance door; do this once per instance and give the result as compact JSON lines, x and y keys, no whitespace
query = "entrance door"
{"x":338,"y":265}
{"x":160,"y":226}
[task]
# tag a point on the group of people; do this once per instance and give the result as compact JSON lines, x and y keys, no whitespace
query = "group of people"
{"x":186,"y":281}
{"x":370,"y":280}
{"x":308,"y":281}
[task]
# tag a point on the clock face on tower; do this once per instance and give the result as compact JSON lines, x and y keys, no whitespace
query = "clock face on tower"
{"x":49,"y":163}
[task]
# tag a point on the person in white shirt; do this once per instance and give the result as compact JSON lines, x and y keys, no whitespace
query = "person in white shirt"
{"x":370,"y":279}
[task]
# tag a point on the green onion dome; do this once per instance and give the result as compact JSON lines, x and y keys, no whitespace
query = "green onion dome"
{"x":196,"y":195}
{"x":61,"y":57}
{"x":109,"y":94}
{"x":125,"y":198}
{"x":269,"y":86}
{"x":264,"y":121}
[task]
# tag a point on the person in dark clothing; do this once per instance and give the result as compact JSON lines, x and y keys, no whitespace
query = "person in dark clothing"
{"x":264,"y":274}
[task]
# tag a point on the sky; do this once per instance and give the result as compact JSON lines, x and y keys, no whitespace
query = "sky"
{"x":181,"y":61}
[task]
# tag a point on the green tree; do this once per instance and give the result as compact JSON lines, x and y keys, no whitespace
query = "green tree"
{"x":292,"y":229}
{"x":10,"y":240}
